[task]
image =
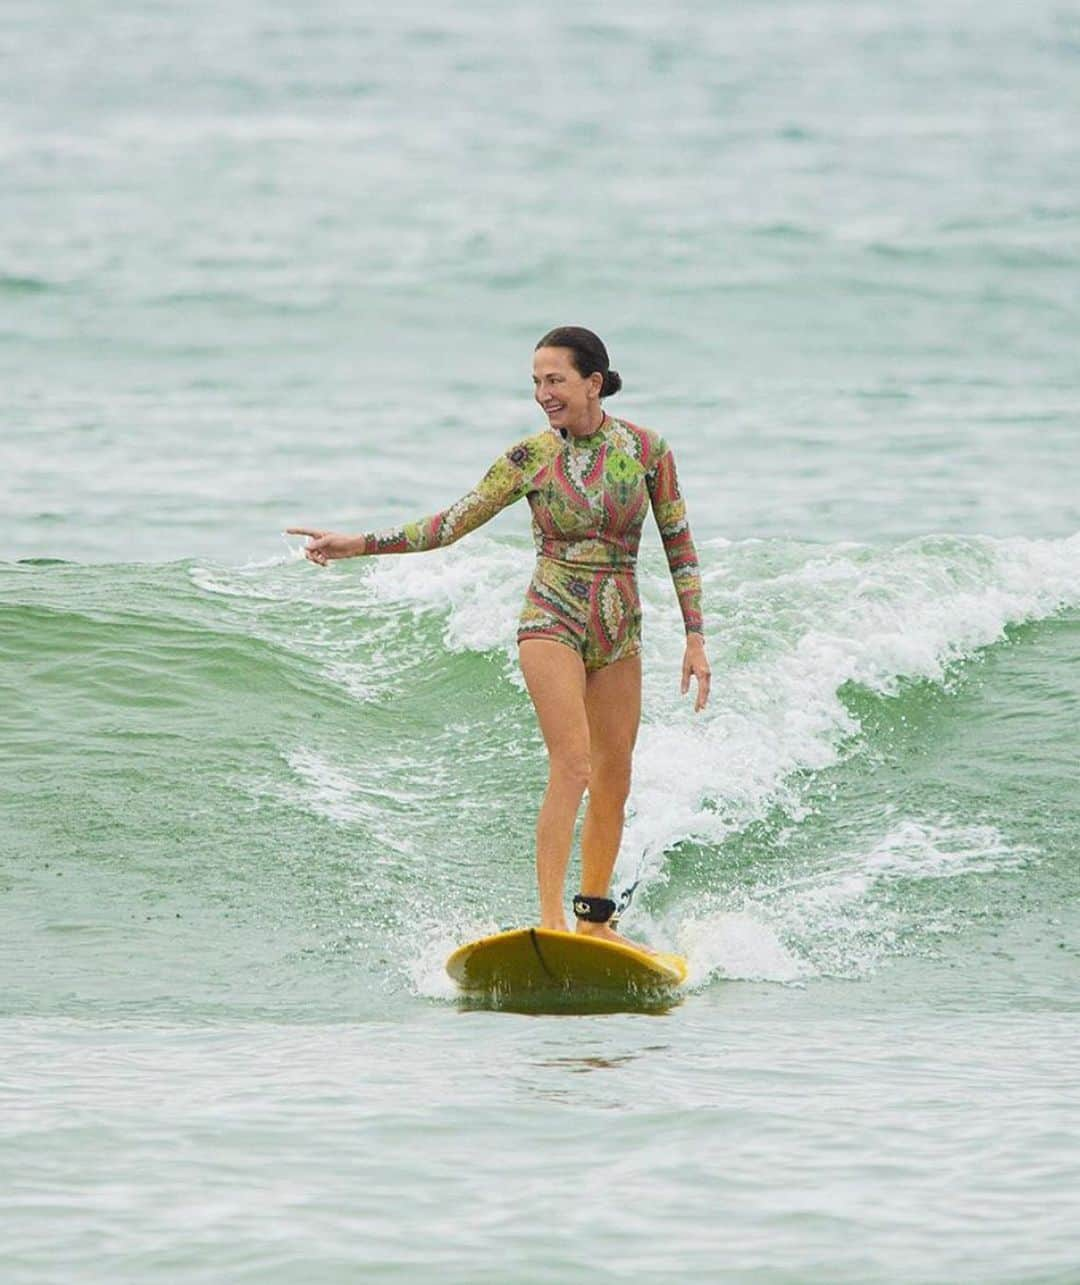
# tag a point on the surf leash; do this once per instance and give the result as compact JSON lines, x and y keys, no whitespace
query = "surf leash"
{"x":625,"y":898}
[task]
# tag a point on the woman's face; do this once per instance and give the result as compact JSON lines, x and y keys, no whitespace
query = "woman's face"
{"x":568,"y":399}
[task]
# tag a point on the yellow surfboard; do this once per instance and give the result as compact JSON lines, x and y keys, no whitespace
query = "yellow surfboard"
{"x":530,"y":965}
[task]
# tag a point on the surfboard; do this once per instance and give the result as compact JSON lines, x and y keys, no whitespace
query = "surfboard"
{"x":537,"y":964}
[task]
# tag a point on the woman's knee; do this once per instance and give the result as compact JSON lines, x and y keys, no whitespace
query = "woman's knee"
{"x":609,"y":783}
{"x":571,"y":768}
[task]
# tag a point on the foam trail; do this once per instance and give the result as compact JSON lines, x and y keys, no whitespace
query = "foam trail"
{"x":844,"y":919}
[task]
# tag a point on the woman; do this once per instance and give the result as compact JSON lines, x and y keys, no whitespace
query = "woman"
{"x":589,"y":479}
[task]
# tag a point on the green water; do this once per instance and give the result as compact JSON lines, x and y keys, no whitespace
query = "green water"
{"x":265,"y":267}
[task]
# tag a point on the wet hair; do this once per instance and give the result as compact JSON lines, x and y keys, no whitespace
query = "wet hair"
{"x":588,"y":354}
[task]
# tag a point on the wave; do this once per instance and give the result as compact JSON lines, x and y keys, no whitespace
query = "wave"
{"x":765,"y":845}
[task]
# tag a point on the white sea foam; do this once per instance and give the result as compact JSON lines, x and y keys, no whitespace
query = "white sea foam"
{"x":227,"y":582}
{"x":426,"y":949}
{"x":327,"y":789}
{"x":842,"y":919}
{"x":736,"y":944}
{"x":926,"y":850}
{"x":281,"y":579}
{"x":478,"y":587}
{"x":375,"y":806}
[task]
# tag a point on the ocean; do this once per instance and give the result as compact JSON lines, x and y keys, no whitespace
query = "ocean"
{"x":265,"y":265}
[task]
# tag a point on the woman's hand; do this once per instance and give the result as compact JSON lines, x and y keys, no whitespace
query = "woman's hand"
{"x":696,"y":663}
{"x":328,"y":544}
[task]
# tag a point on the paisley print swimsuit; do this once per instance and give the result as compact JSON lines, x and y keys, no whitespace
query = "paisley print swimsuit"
{"x":588,"y":496}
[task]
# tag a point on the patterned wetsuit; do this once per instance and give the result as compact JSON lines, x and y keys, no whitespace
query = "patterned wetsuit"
{"x":588,"y":497}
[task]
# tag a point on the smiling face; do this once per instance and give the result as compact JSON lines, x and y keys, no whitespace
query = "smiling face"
{"x":570,"y":400}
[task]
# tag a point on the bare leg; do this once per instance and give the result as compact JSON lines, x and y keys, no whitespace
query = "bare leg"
{"x":613,"y":709}
{"x":555,"y":677}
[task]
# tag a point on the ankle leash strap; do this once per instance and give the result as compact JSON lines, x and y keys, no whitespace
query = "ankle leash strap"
{"x":594,"y":910}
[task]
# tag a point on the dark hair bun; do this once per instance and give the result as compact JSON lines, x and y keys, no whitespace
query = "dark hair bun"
{"x":612,"y":383}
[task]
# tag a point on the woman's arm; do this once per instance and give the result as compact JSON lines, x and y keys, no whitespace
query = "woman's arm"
{"x":501,"y":485}
{"x":669,"y":509}
{"x":507,"y":480}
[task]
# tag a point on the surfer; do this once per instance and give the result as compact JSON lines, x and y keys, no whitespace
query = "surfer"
{"x":589,"y":479}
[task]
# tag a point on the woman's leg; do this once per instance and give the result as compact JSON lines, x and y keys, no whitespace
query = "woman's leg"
{"x":613,"y":710}
{"x":555,"y":676}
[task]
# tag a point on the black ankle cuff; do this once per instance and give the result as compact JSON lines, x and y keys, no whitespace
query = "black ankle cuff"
{"x":594,"y":910}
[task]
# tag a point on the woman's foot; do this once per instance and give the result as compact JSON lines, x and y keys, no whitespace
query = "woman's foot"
{"x":607,"y":933}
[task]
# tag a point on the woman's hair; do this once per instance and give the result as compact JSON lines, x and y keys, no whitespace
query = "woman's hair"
{"x":587,"y":353}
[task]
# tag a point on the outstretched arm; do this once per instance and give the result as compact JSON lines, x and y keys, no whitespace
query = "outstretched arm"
{"x":501,"y":485}
{"x":506,"y":481}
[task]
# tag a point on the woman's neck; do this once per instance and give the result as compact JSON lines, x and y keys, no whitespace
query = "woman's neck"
{"x":594,"y":423}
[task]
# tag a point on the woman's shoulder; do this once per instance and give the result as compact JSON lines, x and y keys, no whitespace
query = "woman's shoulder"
{"x":644,"y":443}
{"x":533,"y":452}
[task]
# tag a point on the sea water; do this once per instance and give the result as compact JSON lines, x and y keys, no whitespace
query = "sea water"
{"x":271,"y":264}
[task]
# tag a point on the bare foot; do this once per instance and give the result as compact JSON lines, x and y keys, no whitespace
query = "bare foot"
{"x":609,"y":934}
